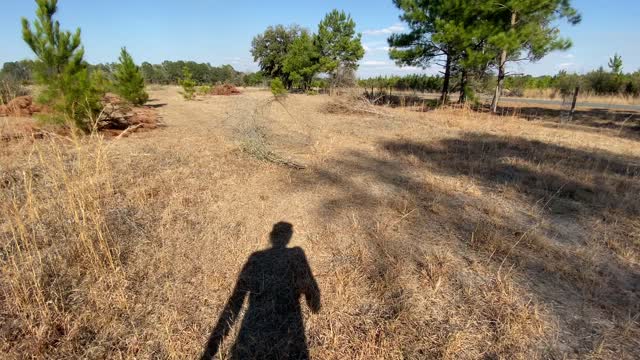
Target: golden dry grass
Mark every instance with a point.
(584, 97)
(448, 234)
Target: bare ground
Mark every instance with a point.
(448, 234)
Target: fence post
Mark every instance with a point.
(573, 103)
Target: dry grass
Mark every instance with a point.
(584, 97)
(448, 234)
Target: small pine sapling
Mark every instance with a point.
(188, 85)
(129, 82)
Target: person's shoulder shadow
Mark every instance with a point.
(273, 280)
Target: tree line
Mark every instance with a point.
(166, 73)
(414, 82)
(611, 81)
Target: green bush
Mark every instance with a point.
(277, 88)
(204, 90)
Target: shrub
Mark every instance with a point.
(277, 88)
(188, 85)
(203, 90)
(129, 82)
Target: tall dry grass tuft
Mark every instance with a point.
(57, 244)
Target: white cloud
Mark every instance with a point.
(375, 63)
(568, 56)
(372, 47)
(395, 28)
(564, 66)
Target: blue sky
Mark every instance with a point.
(220, 32)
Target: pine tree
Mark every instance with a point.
(526, 30)
(615, 64)
(339, 45)
(302, 61)
(188, 85)
(61, 68)
(451, 31)
(129, 82)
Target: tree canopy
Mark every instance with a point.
(270, 49)
(338, 43)
(472, 36)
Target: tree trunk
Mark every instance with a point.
(501, 73)
(463, 86)
(444, 97)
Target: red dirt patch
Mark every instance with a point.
(225, 90)
(22, 106)
(119, 116)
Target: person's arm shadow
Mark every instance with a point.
(228, 316)
(307, 283)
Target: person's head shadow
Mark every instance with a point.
(273, 280)
(280, 235)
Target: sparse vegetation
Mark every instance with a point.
(456, 235)
(392, 227)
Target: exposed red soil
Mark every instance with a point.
(22, 106)
(226, 90)
(118, 117)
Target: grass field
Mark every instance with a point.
(447, 234)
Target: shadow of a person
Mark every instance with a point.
(273, 280)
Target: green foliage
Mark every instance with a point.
(10, 88)
(270, 49)
(188, 85)
(599, 82)
(338, 43)
(296, 56)
(203, 90)
(277, 88)
(566, 83)
(61, 68)
(255, 79)
(170, 72)
(422, 83)
(129, 83)
(472, 35)
(615, 64)
(301, 64)
(19, 71)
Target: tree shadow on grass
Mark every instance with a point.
(575, 185)
(273, 280)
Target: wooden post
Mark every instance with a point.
(573, 103)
